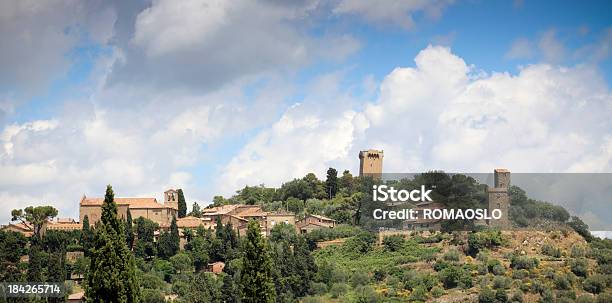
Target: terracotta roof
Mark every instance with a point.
(280, 213)
(219, 210)
(132, 202)
(189, 222)
(302, 225)
(76, 296)
(62, 225)
(251, 212)
(322, 218)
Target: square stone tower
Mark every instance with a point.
(499, 197)
(370, 162)
(171, 198)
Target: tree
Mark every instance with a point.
(331, 183)
(256, 275)
(129, 230)
(195, 210)
(112, 274)
(86, 236)
(12, 247)
(182, 205)
(203, 288)
(145, 232)
(346, 182)
(37, 216)
(169, 242)
(36, 258)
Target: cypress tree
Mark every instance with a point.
(256, 275)
(35, 261)
(129, 230)
(86, 236)
(331, 183)
(182, 205)
(175, 238)
(112, 274)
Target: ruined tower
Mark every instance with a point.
(370, 162)
(499, 197)
(171, 198)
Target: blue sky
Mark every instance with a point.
(213, 95)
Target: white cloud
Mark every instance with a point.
(552, 49)
(521, 49)
(438, 115)
(399, 12)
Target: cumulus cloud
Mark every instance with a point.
(37, 35)
(398, 12)
(208, 43)
(445, 114)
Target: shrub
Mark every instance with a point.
(152, 296)
(418, 294)
(547, 296)
(561, 282)
(585, 299)
(604, 298)
(486, 295)
(550, 250)
(454, 276)
(318, 288)
(484, 239)
(359, 278)
(498, 270)
(500, 282)
(379, 274)
(523, 262)
(577, 251)
(393, 243)
(579, 266)
(501, 296)
(451, 255)
(516, 297)
(570, 294)
(520, 274)
(595, 283)
(366, 294)
(338, 289)
(437, 291)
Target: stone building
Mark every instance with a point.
(148, 208)
(370, 163)
(312, 222)
(239, 216)
(499, 197)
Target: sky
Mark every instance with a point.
(213, 95)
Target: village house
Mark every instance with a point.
(239, 215)
(312, 222)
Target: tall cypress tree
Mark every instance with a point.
(256, 275)
(86, 236)
(331, 183)
(129, 230)
(182, 205)
(175, 238)
(112, 273)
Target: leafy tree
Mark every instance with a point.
(112, 276)
(256, 275)
(169, 242)
(87, 236)
(12, 247)
(346, 182)
(203, 288)
(182, 205)
(129, 230)
(283, 232)
(181, 262)
(229, 290)
(331, 183)
(195, 210)
(145, 232)
(581, 228)
(35, 215)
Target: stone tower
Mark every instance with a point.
(370, 162)
(171, 198)
(499, 197)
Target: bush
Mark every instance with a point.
(393, 243)
(360, 243)
(454, 276)
(484, 239)
(577, 251)
(498, 270)
(501, 296)
(585, 299)
(437, 291)
(604, 298)
(418, 294)
(550, 250)
(579, 266)
(520, 274)
(359, 278)
(318, 288)
(595, 283)
(366, 294)
(523, 262)
(152, 296)
(338, 289)
(501, 282)
(547, 296)
(451, 255)
(516, 297)
(561, 282)
(486, 295)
